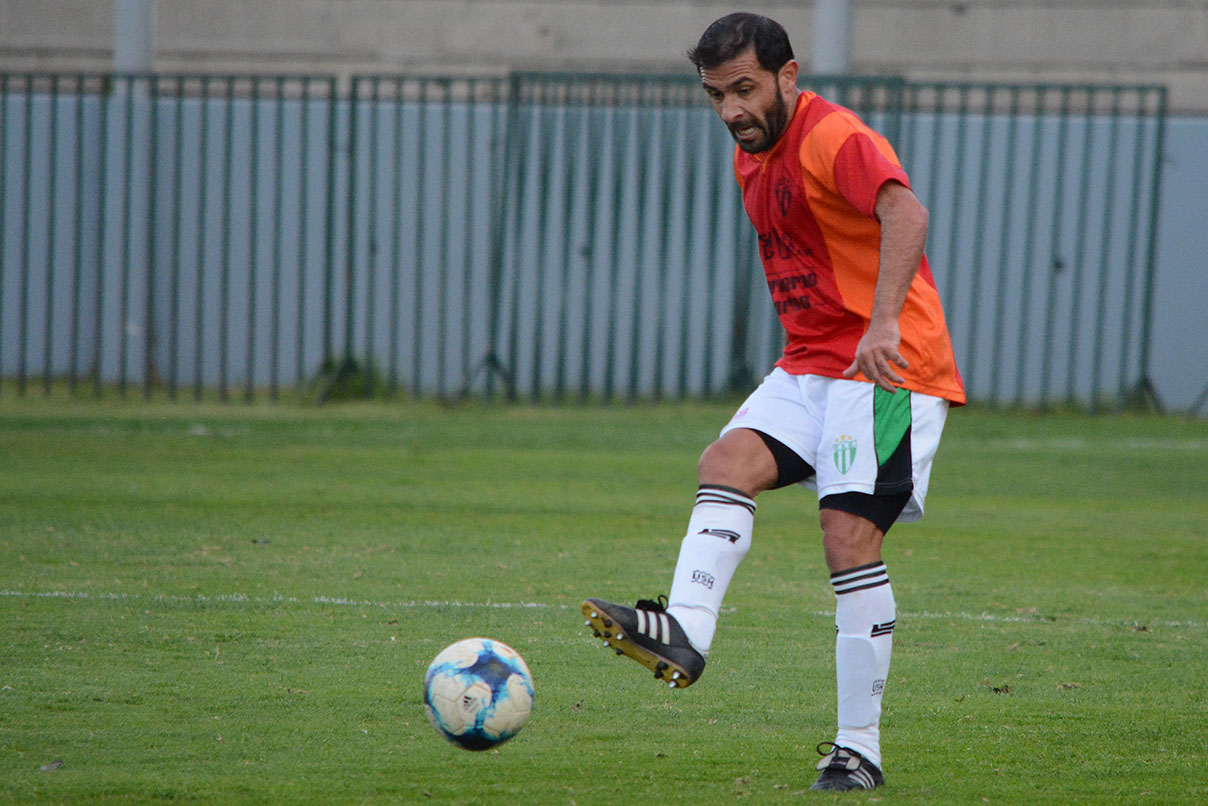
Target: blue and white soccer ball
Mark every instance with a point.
(478, 693)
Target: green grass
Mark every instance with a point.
(237, 604)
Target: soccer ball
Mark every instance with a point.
(478, 693)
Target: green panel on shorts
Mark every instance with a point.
(890, 421)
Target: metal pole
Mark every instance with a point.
(831, 54)
(133, 36)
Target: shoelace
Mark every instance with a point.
(832, 758)
(833, 752)
(653, 606)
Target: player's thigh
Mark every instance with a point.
(778, 409)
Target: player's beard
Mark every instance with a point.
(775, 120)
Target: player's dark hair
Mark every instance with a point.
(734, 33)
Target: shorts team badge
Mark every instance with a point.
(845, 453)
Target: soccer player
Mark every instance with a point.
(853, 409)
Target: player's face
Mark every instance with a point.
(754, 103)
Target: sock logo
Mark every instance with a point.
(703, 578)
(883, 629)
(728, 534)
(878, 687)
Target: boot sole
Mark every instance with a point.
(608, 629)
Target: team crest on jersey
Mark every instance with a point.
(845, 453)
(784, 194)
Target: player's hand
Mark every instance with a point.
(877, 355)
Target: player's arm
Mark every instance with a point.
(903, 236)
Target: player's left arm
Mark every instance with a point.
(904, 222)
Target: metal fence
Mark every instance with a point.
(533, 236)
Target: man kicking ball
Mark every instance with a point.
(854, 408)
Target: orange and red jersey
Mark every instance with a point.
(812, 199)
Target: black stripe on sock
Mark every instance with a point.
(862, 587)
(882, 572)
(854, 569)
(717, 494)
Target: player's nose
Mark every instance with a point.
(731, 111)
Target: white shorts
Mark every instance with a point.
(856, 436)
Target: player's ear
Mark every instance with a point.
(786, 79)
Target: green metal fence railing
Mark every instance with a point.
(1046, 197)
(532, 236)
(165, 231)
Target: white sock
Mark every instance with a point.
(719, 534)
(864, 620)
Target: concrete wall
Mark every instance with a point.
(1165, 41)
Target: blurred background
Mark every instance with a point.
(531, 200)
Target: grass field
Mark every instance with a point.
(237, 604)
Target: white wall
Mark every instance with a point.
(1164, 41)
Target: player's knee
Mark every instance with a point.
(716, 461)
(849, 540)
(738, 460)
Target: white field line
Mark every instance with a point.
(340, 601)
(1082, 444)
(274, 599)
